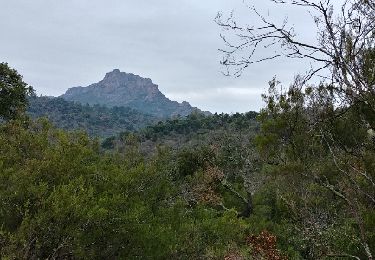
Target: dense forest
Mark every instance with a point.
(294, 181)
(96, 120)
(190, 131)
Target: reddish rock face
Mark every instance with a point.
(129, 90)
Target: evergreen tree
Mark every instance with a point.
(13, 93)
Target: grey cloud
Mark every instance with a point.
(60, 44)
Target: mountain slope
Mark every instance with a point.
(128, 90)
(96, 120)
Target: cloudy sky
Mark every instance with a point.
(60, 44)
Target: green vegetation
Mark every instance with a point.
(322, 159)
(13, 93)
(190, 131)
(296, 181)
(203, 191)
(62, 198)
(96, 120)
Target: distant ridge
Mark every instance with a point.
(129, 90)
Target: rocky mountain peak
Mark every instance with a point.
(114, 74)
(116, 78)
(129, 90)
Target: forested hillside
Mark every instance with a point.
(294, 181)
(195, 130)
(96, 120)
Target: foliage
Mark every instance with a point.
(297, 184)
(320, 156)
(264, 245)
(13, 92)
(62, 197)
(194, 130)
(316, 141)
(96, 120)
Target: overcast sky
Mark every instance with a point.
(58, 44)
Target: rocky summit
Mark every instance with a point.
(129, 90)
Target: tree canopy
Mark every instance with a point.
(13, 92)
(316, 135)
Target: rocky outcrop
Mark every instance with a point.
(129, 90)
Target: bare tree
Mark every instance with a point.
(345, 43)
